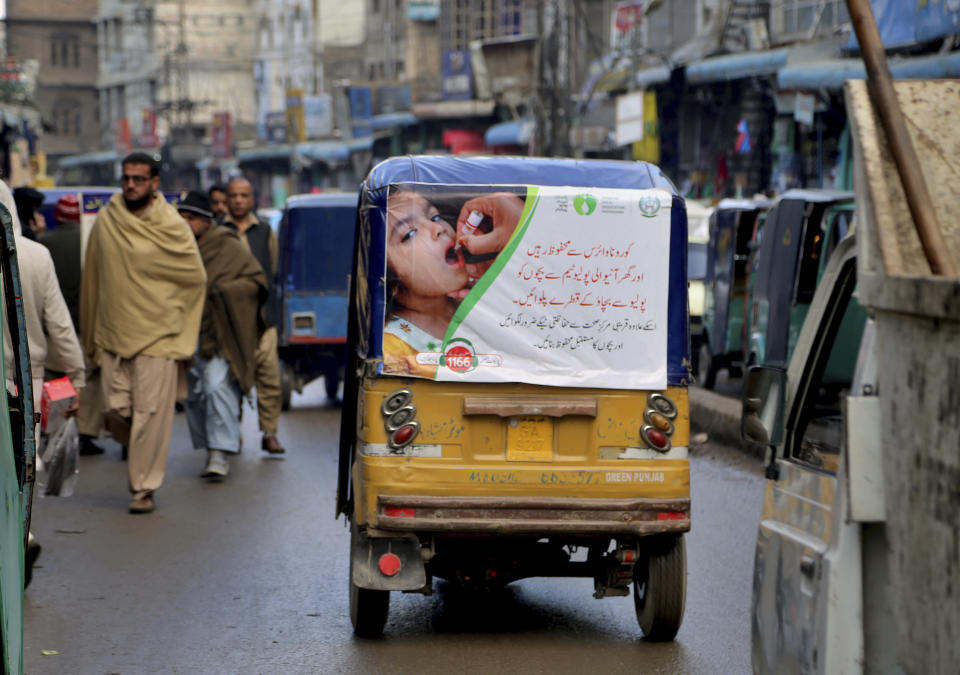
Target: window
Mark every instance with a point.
(818, 416)
(802, 16)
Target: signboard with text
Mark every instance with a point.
(558, 286)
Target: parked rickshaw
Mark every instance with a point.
(790, 263)
(17, 459)
(516, 394)
(733, 228)
(316, 243)
(698, 240)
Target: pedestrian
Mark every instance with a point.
(141, 300)
(28, 201)
(64, 244)
(233, 321)
(51, 339)
(218, 201)
(260, 240)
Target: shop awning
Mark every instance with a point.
(650, 76)
(394, 119)
(832, 74)
(453, 109)
(514, 132)
(87, 158)
(736, 66)
(322, 151)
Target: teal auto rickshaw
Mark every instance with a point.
(801, 230)
(17, 459)
(733, 229)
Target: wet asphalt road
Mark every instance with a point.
(250, 576)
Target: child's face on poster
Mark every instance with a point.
(421, 247)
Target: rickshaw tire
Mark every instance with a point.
(368, 611)
(368, 607)
(707, 369)
(660, 588)
(331, 383)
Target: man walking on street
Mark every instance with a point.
(262, 242)
(140, 306)
(229, 334)
(64, 245)
(218, 201)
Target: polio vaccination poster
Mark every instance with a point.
(559, 286)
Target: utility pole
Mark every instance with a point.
(540, 89)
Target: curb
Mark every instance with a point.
(719, 417)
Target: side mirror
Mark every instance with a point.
(764, 399)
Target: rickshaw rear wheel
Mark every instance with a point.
(331, 382)
(706, 369)
(368, 608)
(660, 588)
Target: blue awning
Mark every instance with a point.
(274, 152)
(322, 151)
(88, 158)
(509, 133)
(736, 66)
(654, 75)
(394, 119)
(832, 74)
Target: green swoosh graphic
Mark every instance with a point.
(529, 206)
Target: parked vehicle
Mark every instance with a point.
(856, 558)
(790, 260)
(733, 230)
(316, 243)
(698, 238)
(537, 423)
(17, 459)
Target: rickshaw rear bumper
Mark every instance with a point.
(537, 516)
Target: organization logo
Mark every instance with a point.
(585, 204)
(459, 356)
(649, 206)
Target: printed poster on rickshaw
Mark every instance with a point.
(558, 286)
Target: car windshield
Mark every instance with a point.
(696, 260)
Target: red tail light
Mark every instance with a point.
(398, 512)
(399, 420)
(389, 564)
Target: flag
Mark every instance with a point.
(743, 138)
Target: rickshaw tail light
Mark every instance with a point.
(657, 438)
(398, 512)
(404, 435)
(671, 515)
(389, 564)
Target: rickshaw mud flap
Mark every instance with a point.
(532, 515)
(367, 552)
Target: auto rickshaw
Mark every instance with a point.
(17, 459)
(733, 226)
(316, 239)
(698, 240)
(516, 395)
(790, 263)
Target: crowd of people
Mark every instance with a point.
(173, 303)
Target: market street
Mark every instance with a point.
(250, 576)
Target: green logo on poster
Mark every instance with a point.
(585, 204)
(649, 206)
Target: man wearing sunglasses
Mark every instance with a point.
(141, 301)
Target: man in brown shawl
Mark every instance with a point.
(141, 299)
(233, 321)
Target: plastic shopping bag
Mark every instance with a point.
(60, 459)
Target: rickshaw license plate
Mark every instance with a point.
(529, 439)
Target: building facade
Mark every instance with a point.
(61, 36)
